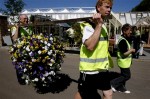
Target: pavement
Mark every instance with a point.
(139, 84)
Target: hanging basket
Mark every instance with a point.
(37, 59)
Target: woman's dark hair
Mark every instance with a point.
(125, 27)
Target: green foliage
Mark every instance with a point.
(77, 34)
(13, 7)
(143, 6)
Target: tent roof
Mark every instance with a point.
(143, 21)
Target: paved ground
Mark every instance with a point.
(139, 84)
(147, 50)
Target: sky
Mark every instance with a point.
(118, 5)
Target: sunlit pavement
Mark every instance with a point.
(139, 84)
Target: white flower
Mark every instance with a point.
(54, 54)
(52, 60)
(12, 49)
(43, 78)
(14, 59)
(46, 74)
(33, 60)
(45, 42)
(36, 79)
(27, 48)
(49, 44)
(39, 52)
(50, 64)
(18, 40)
(24, 47)
(27, 81)
(41, 41)
(25, 70)
(30, 53)
(52, 73)
(46, 48)
(23, 60)
(59, 68)
(49, 52)
(51, 38)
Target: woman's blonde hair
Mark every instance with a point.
(100, 2)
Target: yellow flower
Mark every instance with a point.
(15, 55)
(31, 47)
(44, 60)
(46, 39)
(33, 36)
(19, 46)
(39, 59)
(44, 51)
(29, 37)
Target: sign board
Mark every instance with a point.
(7, 40)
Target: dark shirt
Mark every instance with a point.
(123, 47)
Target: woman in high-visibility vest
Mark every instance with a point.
(124, 60)
(94, 56)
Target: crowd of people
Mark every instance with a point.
(95, 60)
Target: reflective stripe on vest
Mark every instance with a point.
(98, 59)
(93, 60)
(103, 38)
(122, 60)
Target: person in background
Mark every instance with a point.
(136, 41)
(124, 60)
(95, 60)
(22, 28)
(19, 30)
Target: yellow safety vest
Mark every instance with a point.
(122, 60)
(99, 59)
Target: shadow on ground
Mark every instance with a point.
(62, 81)
(58, 84)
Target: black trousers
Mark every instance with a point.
(120, 81)
(89, 84)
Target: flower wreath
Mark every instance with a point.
(37, 58)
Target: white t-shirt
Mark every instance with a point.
(87, 32)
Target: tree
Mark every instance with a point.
(143, 6)
(13, 7)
